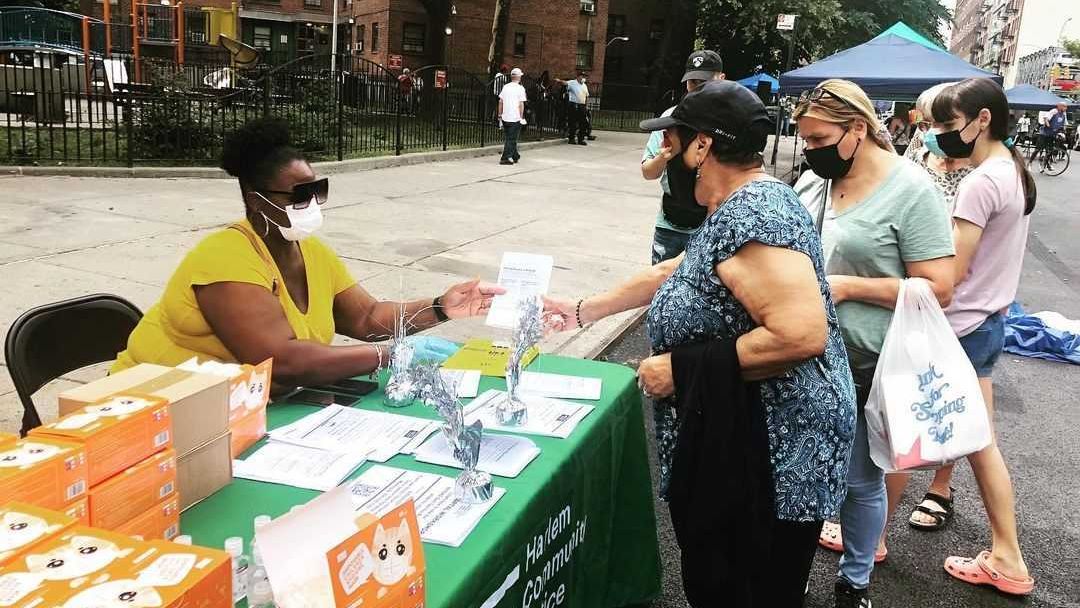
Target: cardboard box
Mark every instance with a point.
(116, 432)
(55, 569)
(43, 472)
(247, 431)
(200, 402)
(204, 471)
(159, 522)
(165, 575)
(79, 510)
(247, 417)
(23, 526)
(119, 499)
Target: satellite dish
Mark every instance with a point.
(243, 55)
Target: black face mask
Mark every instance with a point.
(954, 146)
(826, 161)
(681, 207)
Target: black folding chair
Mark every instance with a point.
(51, 340)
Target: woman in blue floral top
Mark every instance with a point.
(752, 274)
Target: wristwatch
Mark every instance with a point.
(440, 312)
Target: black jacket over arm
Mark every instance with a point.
(721, 494)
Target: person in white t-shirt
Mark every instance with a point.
(512, 116)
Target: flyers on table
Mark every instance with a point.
(559, 386)
(548, 417)
(298, 466)
(502, 455)
(485, 356)
(344, 429)
(443, 519)
(522, 274)
(466, 381)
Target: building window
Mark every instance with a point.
(261, 38)
(374, 37)
(305, 39)
(312, 2)
(584, 54)
(519, 44)
(361, 31)
(656, 29)
(196, 26)
(616, 26)
(412, 38)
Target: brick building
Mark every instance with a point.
(631, 62)
(555, 35)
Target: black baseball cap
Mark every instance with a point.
(724, 110)
(701, 65)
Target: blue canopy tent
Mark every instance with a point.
(904, 31)
(1028, 97)
(751, 82)
(887, 67)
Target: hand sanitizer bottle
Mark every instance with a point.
(234, 546)
(256, 556)
(261, 596)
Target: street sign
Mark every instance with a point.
(440, 79)
(395, 62)
(785, 22)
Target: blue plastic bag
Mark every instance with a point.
(1030, 336)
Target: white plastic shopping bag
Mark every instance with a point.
(925, 407)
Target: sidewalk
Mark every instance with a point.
(404, 232)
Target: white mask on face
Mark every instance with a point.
(303, 222)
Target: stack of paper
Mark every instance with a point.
(443, 519)
(559, 386)
(548, 417)
(502, 455)
(467, 381)
(344, 429)
(297, 466)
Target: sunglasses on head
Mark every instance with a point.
(302, 194)
(821, 92)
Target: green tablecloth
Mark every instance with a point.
(576, 528)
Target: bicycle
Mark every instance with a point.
(1054, 157)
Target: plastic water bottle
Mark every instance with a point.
(261, 596)
(256, 557)
(234, 546)
(183, 539)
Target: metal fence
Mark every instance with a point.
(68, 112)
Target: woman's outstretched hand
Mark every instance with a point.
(560, 314)
(469, 299)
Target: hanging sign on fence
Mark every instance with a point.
(440, 79)
(395, 62)
(785, 22)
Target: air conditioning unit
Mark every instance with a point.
(359, 47)
(588, 6)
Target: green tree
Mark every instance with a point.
(1072, 46)
(744, 31)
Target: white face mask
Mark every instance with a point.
(303, 222)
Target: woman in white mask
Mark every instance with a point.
(266, 287)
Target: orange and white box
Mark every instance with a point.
(69, 563)
(117, 500)
(159, 522)
(159, 574)
(80, 510)
(23, 526)
(7, 439)
(44, 472)
(249, 392)
(117, 432)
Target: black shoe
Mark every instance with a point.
(850, 597)
(582, 143)
(506, 162)
(571, 142)
(517, 159)
(591, 138)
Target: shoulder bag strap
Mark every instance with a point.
(825, 188)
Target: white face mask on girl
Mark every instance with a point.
(303, 222)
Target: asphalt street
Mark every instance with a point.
(1036, 419)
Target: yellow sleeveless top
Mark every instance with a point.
(174, 330)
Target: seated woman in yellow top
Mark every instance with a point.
(265, 287)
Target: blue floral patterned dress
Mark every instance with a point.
(810, 410)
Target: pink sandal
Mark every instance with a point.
(978, 571)
(831, 538)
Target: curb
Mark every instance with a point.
(323, 167)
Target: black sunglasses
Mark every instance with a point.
(819, 93)
(301, 194)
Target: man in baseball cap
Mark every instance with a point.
(703, 65)
(726, 111)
